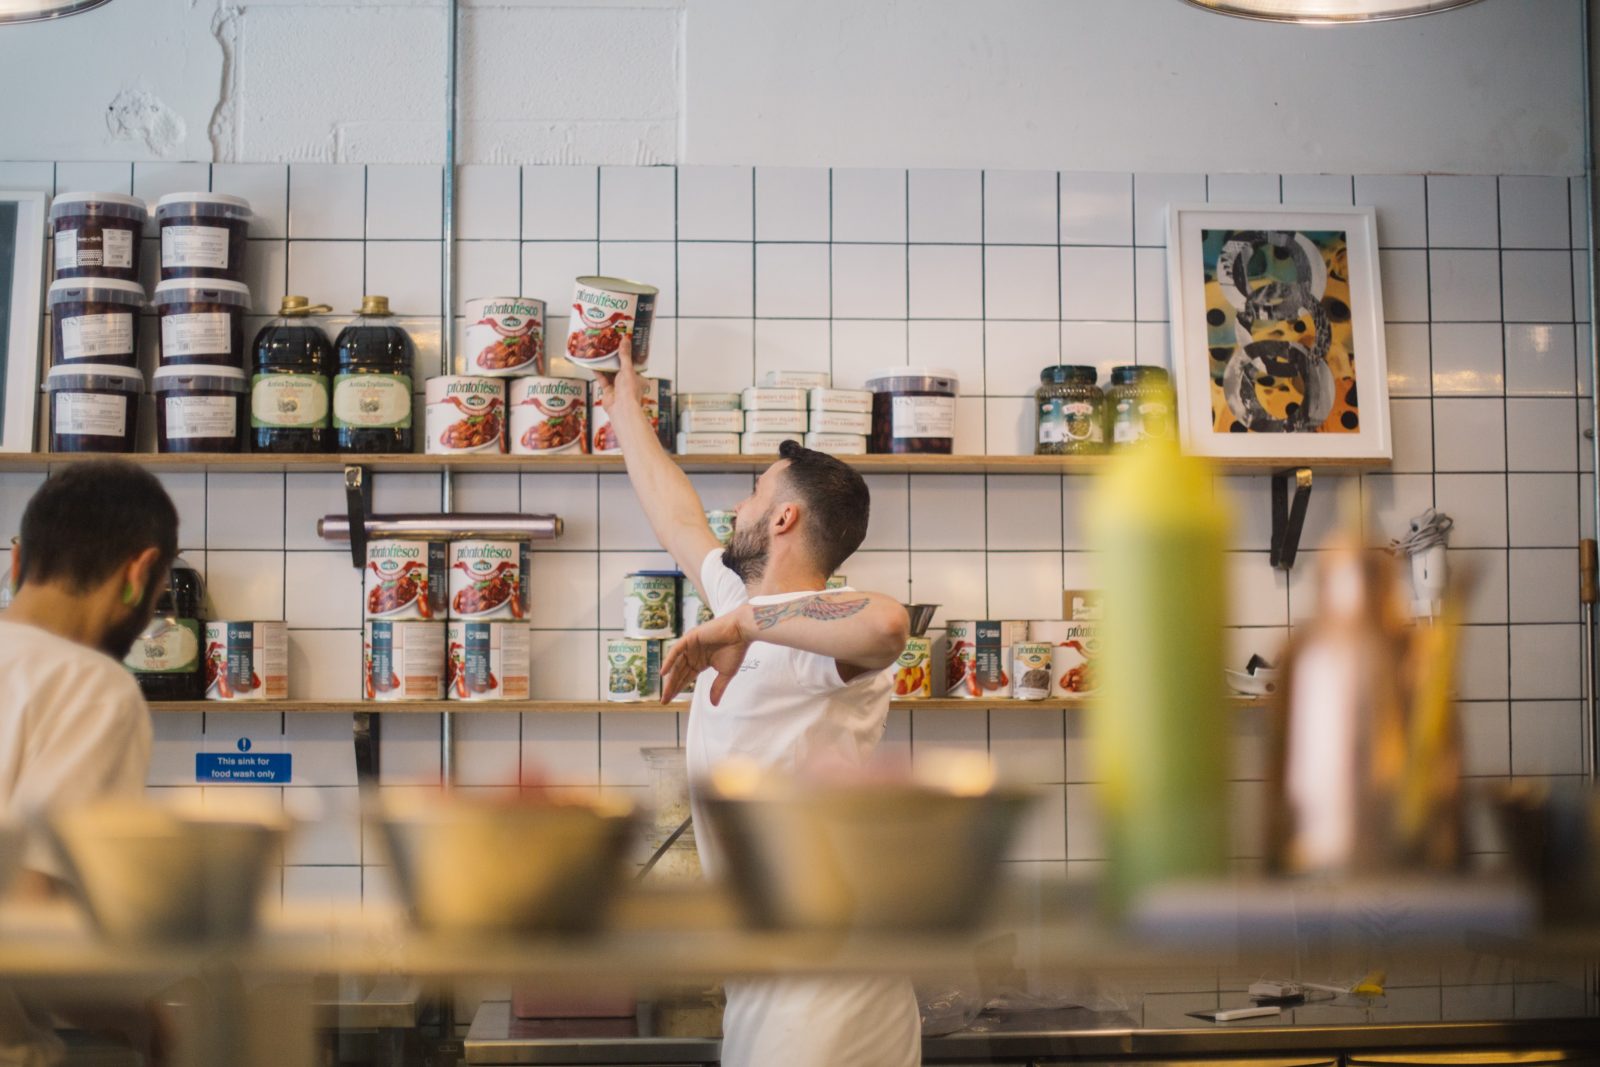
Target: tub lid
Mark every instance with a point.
(220, 204)
(210, 290)
(103, 290)
(94, 376)
(931, 378)
(117, 205)
(617, 285)
(197, 376)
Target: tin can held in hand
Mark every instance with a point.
(486, 660)
(1030, 670)
(633, 670)
(604, 310)
(505, 336)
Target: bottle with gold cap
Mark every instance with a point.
(372, 382)
(290, 381)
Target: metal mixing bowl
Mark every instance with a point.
(491, 866)
(902, 857)
(147, 873)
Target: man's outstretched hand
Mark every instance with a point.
(720, 644)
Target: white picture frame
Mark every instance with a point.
(1213, 390)
(22, 243)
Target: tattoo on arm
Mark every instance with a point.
(816, 608)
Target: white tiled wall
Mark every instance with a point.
(993, 274)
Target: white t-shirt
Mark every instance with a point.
(789, 709)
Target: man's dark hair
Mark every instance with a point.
(90, 519)
(836, 500)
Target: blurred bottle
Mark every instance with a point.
(1160, 726)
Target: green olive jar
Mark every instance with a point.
(1140, 405)
(1071, 410)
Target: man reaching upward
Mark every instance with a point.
(800, 682)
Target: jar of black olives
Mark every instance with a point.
(372, 382)
(291, 365)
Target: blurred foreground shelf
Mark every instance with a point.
(567, 707)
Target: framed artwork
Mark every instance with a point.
(1277, 332)
(22, 221)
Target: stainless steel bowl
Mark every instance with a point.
(486, 866)
(867, 857)
(148, 873)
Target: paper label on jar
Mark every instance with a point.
(372, 401)
(94, 336)
(196, 333)
(922, 416)
(67, 250)
(116, 249)
(194, 246)
(169, 646)
(90, 414)
(288, 400)
(201, 416)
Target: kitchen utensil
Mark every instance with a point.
(921, 617)
(1260, 684)
(487, 866)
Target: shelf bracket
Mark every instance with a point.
(366, 738)
(1289, 516)
(358, 505)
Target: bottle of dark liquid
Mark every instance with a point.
(166, 659)
(372, 382)
(291, 364)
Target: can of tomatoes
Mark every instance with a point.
(505, 336)
(976, 654)
(486, 660)
(402, 660)
(913, 671)
(657, 404)
(405, 580)
(604, 310)
(488, 579)
(463, 414)
(549, 415)
(247, 660)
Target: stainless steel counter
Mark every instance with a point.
(1073, 1033)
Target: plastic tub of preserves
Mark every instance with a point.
(463, 414)
(773, 398)
(708, 444)
(1030, 670)
(776, 421)
(549, 415)
(837, 444)
(95, 321)
(202, 321)
(842, 422)
(200, 408)
(765, 444)
(913, 411)
(405, 580)
(657, 403)
(94, 407)
(488, 579)
(247, 660)
(486, 660)
(603, 311)
(633, 669)
(402, 660)
(797, 379)
(650, 604)
(203, 235)
(913, 671)
(976, 654)
(96, 235)
(710, 420)
(721, 523)
(505, 336)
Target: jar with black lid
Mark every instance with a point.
(1139, 405)
(165, 659)
(1071, 411)
(372, 382)
(291, 365)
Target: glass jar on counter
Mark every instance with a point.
(1071, 411)
(1139, 405)
(372, 382)
(165, 659)
(291, 364)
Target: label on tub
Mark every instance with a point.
(196, 333)
(276, 768)
(194, 246)
(94, 336)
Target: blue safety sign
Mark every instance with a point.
(266, 768)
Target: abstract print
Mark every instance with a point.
(1278, 331)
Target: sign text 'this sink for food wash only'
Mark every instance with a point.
(244, 767)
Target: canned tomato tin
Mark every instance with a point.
(486, 660)
(975, 657)
(505, 336)
(488, 579)
(633, 669)
(549, 415)
(913, 671)
(464, 415)
(1030, 670)
(1075, 643)
(604, 310)
(657, 405)
(247, 661)
(650, 604)
(405, 580)
(721, 523)
(402, 660)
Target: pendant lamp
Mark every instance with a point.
(1327, 11)
(40, 10)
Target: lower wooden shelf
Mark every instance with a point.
(560, 707)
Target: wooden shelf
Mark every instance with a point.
(565, 707)
(577, 463)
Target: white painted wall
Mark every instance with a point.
(1054, 84)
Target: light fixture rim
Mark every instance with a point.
(1222, 7)
(74, 7)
